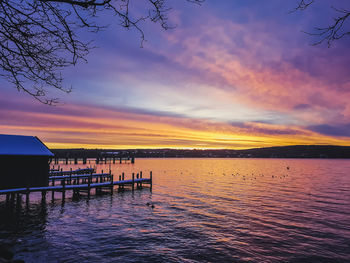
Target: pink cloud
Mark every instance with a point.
(257, 66)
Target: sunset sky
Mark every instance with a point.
(232, 74)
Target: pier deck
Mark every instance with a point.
(75, 186)
(80, 183)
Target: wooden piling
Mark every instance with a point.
(137, 184)
(19, 200)
(140, 185)
(43, 195)
(133, 181)
(63, 189)
(27, 197)
(123, 180)
(89, 183)
(70, 176)
(12, 199)
(111, 183)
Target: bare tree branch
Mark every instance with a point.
(302, 5)
(39, 38)
(335, 31)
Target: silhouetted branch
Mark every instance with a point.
(334, 31)
(38, 38)
(302, 5)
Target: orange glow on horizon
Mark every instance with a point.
(110, 129)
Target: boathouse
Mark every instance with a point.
(24, 162)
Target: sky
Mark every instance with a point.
(231, 74)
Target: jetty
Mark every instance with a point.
(97, 160)
(60, 172)
(80, 184)
(34, 173)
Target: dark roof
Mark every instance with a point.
(22, 145)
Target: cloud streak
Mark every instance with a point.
(110, 128)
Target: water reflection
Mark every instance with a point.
(22, 225)
(216, 210)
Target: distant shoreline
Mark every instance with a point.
(291, 152)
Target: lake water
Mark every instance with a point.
(206, 210)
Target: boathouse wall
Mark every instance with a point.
(23, 171)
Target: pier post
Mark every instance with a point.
(133, 181)
(19, 200)
(43, 196)
(111, 184)
(63, 189)
(113, 159)
(123, 180)
(70, 176)
(75, 160)
(75, 194)
(27, 196)
(66, 160)
(137, 184)
(12, 199)
(150, 179)
(89, 183)
(133, 159)
(140, 178)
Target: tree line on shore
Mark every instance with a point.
(296, 151)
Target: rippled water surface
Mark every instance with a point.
(206, 210)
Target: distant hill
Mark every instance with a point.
(295, 151)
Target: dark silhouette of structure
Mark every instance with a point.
(24, 162)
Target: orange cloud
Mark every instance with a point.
(108, 128)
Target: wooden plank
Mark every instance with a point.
(58, 177)
(71, 187)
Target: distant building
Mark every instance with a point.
(24, 162)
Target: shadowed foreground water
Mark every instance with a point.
(206, 210)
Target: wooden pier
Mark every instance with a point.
(81, 183)
(97, 160)
(60, 172)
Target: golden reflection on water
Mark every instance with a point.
(225, 210)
